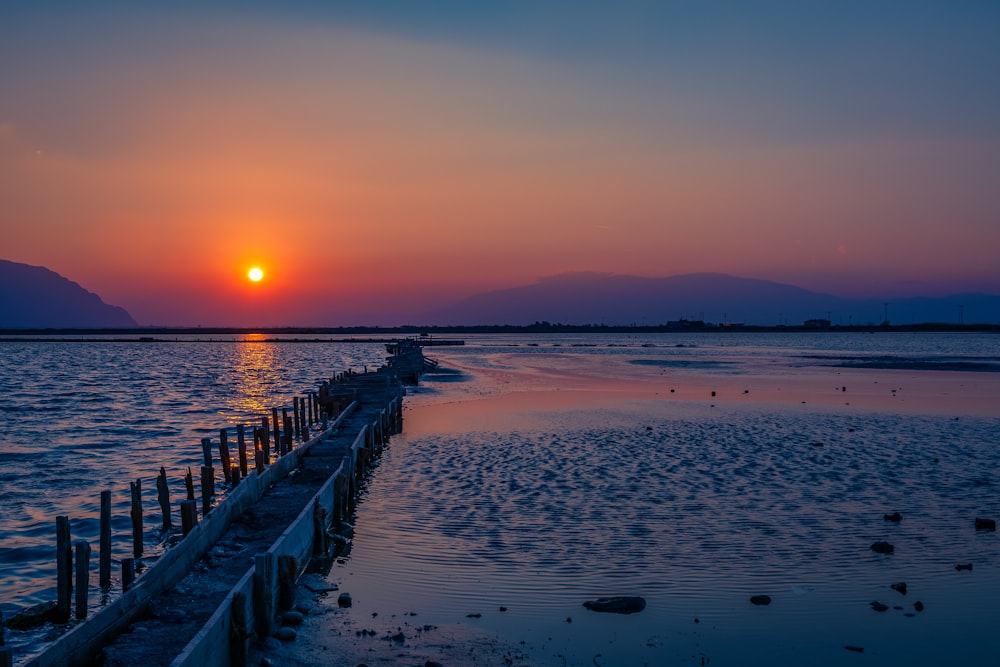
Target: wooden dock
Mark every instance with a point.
(226, 582)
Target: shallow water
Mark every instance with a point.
(694, 504)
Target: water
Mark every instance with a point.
(538, 472)
(694, 502)
(79, 418)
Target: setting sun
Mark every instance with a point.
(255, 274)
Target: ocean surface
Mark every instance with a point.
(776, 484)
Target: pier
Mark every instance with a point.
(225, 581)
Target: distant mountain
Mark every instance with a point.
(33, 297)
(602, 298)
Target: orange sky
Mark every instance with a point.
(374, 167)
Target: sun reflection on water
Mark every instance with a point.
(257, 377)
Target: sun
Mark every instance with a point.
(255, 274)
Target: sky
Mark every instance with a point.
(377, 160)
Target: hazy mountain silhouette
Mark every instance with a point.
(33, 297)
(602, 298)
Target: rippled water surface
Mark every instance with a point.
(693, 501)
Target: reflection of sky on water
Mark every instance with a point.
(256, 377)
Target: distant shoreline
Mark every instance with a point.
(158, 334)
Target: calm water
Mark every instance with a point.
(695, 505)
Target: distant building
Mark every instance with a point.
(686, 324)
(816, 324)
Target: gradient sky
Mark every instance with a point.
(378, 159)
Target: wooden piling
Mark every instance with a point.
(163, 496)
(258, 450)
(64, 569)
(320, 538)
(136, 489)
(189, 484)
(265, 435)
(263, 594)
(242, 444)
(189, 516)
(224, 454)
(288, 434)
(239, 632)
(82, 578)
(207, 488)
(104, 558)
(128, 573)
(311, 400)
(288, 570)
(6, 657)
(234, 474)
(298, 422)
(206, 451)
(277, 432)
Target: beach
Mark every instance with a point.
(527, 482)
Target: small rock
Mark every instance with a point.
(899, 588)
(617, 605)
(964, 566)
(303, 608)
(270, 644)
(503, 608)
(986, 524)
(878, 606)
(32, 616)
(918, 605)
(895, 517)
(856, 649)
(399, 638)
(345, 600)
(760, 600)
(883, 548)
(286, 634)
(292, 618)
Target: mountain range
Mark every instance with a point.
(613, 299)
(33, 297)
(36, 297)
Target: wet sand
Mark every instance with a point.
(511, 394)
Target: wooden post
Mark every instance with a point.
(207, 488)
(206, 451)
(265, 439)
(136, 488)
(286, 431)
(263, 594)
(242, 444)
(234, 474)
(311, 400)
(239, 632)
(288, 570)
(224, 454)
(298, 422)
(258, 450)
(277, 432)
(189, 516)
(320, 537)
(189, 484)
(128, 573)
(288, 434)
(82, 578)
(104, 565)
(64, 569)
(6, 657)
(163, 495)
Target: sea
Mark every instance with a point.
(737, 465)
